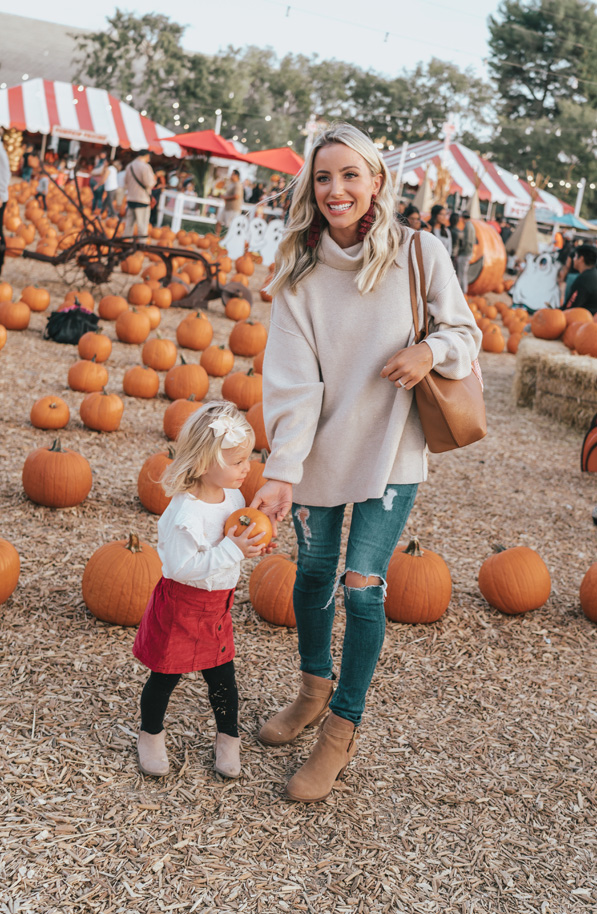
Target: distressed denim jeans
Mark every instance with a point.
(375, 529)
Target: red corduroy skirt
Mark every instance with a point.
(185, 629)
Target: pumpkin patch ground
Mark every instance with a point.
(473, 787)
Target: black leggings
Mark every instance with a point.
(221, 690)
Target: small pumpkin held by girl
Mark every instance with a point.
(187, 625)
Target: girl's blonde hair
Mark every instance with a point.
(197, 448)
(294, 260)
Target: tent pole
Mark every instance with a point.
(113, 153)
(44, 140)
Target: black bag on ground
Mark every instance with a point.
(69, 326)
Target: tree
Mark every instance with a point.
(137, 56)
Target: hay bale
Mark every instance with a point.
(566, 388)
(530, 352)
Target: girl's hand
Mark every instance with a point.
(274, 499)
(408, 366)
(249, 546)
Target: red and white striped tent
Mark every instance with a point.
(466, 168)
(83, 114)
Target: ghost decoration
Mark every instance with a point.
(537, 285)
(257, 231)
(236, 237)
(273, 236)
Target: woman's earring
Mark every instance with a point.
(314, 231)
(366, 221)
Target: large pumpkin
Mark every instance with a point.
(10, 569)
(119, 579)
(149, 487)
(15, 315)
(194, 331)
(159, 354)
(87, 376)
(177, 413)
(515, 580)
(141, 381)
(254, 478)
(419, 585)
(244, 389)
(247, 338)
(255, 420)
(56, 478)
(95, 345)
(185, 379)
(218, 361)
(548, 323)
(488, 263)
(132, 326)
(49, 412)
(244, 517)
(270, 590)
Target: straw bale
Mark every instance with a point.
(473, 789)
(530, 351)
(566, 388)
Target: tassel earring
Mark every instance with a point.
(367, 220)
(314, 231)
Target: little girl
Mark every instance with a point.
(187, 624)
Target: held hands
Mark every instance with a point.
(274, 499)
(249, 546)
(408, 366)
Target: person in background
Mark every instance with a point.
(61, 176)
(233, 201)
(43, 186)
(440, 226)
(504, 228)
(583, 292)
(110, 187)
(412, 216)
(139, 181)
(156, 194)
(463, 260)
(4, 183)
(457, 236)
(27, 163)
(97, 182)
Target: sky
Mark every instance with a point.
(383, 35)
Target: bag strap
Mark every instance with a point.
(138, 181)
(416, 241)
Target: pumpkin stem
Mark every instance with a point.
(244, 520)
(183, 361)
(171, 452)
(191, 398)
(56, 446)
(264, 454)
(414, 548)
(133, 544)
(250, 373)
(497, 547)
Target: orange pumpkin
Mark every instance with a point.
(185, 379)
(14, 315)
(254, 478)
(177, 413)
(243, 389)
(419, 585)
(132, 326)
(161, 298)
(513, 342)
(588, 593)
(3, 336)
(141, 381)
(56, 478)
(493, 341)
(49, 412)
(582, 315)
(95, 345)
(585, 340)
(218, 361)
(258, 362)
(270, 590)
(159, 354)
(237, 309)
(119, 579)
(255, 420)
(247, 338)
(515, 580)
(151, 493)
(194, 331)
(5, 291)
(101, 411)
(84, 298)
(111, 306)
(139, 294)
(37, 299)
(488, 262)
(87, 376)
(548, 323)
(10, 569)
(244, 517)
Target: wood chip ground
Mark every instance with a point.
(473, 791)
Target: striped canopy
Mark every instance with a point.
(466, 168)
(83, 114)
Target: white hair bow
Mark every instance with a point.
(234, 434)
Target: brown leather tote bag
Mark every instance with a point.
(452, 412)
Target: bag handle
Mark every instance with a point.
(416, 240)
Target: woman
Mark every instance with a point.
(440, 226)
(342, 422)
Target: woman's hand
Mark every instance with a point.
(274, 499)
(408, 366)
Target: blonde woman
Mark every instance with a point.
(340, 414)
(187, 624)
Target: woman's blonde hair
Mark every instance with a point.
(294, 260)
(197, 448)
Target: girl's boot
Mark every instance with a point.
(153, 758)
(227, 755)
(332, 753)
(306, 710)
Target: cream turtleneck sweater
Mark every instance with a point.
(338, 431)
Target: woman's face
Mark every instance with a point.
(343, 187)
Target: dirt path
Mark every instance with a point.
(474, 786)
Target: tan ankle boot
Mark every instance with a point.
(306, 710)
(227, 755)
(333, 751)
(153, 758)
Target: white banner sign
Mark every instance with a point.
(83, 136)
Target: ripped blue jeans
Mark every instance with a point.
(375, 529)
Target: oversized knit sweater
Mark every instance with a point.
(338, 431)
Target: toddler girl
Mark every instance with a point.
(187, 624)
